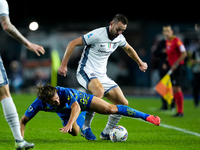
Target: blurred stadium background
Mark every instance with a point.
(59, 22)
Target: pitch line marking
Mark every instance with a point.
(174, 128)
(179, 129)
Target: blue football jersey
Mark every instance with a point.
(67, 97)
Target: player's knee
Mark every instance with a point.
(110, 109)
(74, 132)
(125, 103)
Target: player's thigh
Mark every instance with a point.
(4, 88)
(116, 96)
(96, 87)
(100, 106)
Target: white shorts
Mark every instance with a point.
(3, 75)
(84, 76)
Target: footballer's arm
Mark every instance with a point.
(70, 48)
(176, 64)
(132, 54)
(23, 123)
(75, 110)
(13, 32)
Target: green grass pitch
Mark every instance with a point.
(43, 130)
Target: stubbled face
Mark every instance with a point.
(55, 100)
(168, 32)
(117, 28)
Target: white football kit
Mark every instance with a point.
(4, 11)
(93, 63)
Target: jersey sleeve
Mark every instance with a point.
(4, 10)
(122, 41)
(91, 37)
(72, 97)
(68, 94)
(181, 46)
(72, 100)
(34, 108)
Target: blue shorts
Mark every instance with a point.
(80, 120)
(84, 101)
(3, 75)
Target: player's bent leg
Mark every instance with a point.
(75, 129)
(116, 96)
(103, 107)
(97, 89)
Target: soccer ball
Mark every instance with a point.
(118, 134)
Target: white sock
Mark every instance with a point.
(112, 121)
(88, 119)
(11, 117)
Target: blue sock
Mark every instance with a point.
(128, 111)
(81, 119)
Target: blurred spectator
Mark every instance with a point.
(196, 76)
(16, 79)
(163, 66)
(40, 76)
(142, 78)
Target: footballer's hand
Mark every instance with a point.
(143, 66)
(173, 67)
(62, 70)
(67, 128)
(36, 48)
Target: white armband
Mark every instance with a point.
(182, 48)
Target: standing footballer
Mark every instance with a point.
(91, 73)
(176, 54)
(8, 105)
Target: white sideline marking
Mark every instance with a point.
(174, 128)
(179, 129)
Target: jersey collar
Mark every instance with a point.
(172, 38)
(109, 36)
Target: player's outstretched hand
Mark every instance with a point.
(143, 66)
(67, 128)
(62, 70)
(36, 48)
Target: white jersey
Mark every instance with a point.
(4, 10)
(98, 49)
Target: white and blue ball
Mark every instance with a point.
(118, 134)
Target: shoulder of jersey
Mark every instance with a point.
(178, 41)
(100, 30)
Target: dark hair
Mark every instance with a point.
(120, 18)
(167, 25)
(45, 92)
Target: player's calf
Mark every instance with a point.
(128, 111)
